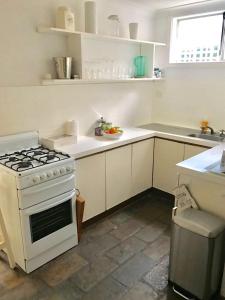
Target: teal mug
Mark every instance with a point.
(140, 66)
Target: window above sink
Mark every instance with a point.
(198, 38)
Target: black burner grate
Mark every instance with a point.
(31, 158)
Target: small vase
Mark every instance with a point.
(90, 17)
(114, 25)
(133, 28)
(140, 66)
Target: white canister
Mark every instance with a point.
(133, 28)
(72, 129)
(65, 18)
(90, 17)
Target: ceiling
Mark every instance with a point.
(168, 3)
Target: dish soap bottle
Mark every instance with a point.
(98, 129)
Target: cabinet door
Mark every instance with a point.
(90, 173)
(142, 163)
(118, 176)
(190, 151)
(166, 155)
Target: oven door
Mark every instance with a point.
(48, 224)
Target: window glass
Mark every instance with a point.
(197, 39)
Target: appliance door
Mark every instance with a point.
(49, 223)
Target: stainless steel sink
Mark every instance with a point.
(211, 137)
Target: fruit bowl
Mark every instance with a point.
(113, 133)
(112, 136)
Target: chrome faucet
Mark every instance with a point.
(208, 127)
(222, 132)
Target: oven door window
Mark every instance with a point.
(46, 222)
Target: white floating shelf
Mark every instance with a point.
(95, 81)
(43, 29)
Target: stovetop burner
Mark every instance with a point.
(24, 164)
(37, 152)
(13, 158)
(50, 156)
(31, 158)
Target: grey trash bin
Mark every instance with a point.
(197, 253)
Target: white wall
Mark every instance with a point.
(47, 108)
(26, 55)
(189, 92)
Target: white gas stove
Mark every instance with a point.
(37, 188)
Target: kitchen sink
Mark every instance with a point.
(211, 137)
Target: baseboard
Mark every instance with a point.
(167, 195)
(169, 198)
(115, 208)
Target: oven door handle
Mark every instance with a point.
(37, 189)
(43, 206)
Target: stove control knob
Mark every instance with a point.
(56, 172)
(63, 170)
(68, 169)
(49, 174)
(36, 179)
(43, 176)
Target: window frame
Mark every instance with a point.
(173, 38)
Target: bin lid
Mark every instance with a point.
(200, 222)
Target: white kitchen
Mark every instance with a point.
(112, 149)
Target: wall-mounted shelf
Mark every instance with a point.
(96, 81)
(94, 53)
(43, 29)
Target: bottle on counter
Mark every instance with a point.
(98, 129)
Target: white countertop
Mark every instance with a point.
(89, 145)
(204, 163)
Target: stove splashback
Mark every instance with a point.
(11, 143)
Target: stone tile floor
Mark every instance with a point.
(124, 257)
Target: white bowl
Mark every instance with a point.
(112, 136)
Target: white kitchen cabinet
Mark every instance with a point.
(142, 164)
(210, 196)
(191, 150)
(108, 179)
(118, 176)
(90, 180)
(166, 155)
